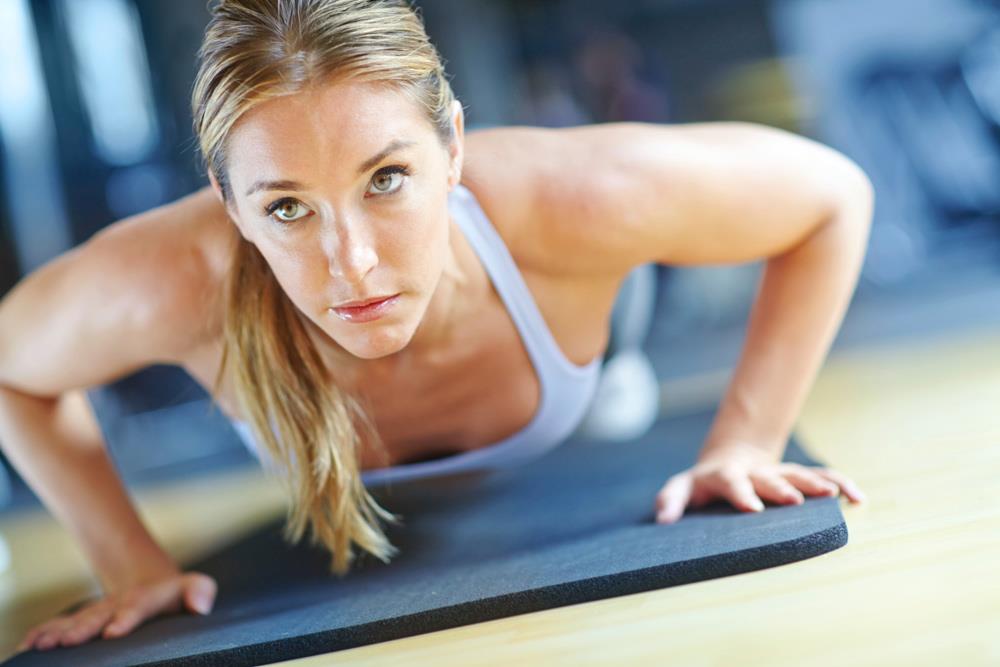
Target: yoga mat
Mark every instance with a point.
(572, 526)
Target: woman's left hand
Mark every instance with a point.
(743, 475)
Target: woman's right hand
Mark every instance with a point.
(117, 613)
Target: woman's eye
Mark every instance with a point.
(285, 206)
(388, 180)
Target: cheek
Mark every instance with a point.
(401, 240)
(298, 275)
(421, 236)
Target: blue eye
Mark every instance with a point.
(384, 179)
(284, 204)
(387, 181)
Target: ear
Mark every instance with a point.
(216, 187)
(456, 149)
(218, 194)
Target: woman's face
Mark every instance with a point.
(343, 190)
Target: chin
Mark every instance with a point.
(376, 343)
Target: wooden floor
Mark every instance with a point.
(916, 424)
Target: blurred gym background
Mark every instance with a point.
(94, 127)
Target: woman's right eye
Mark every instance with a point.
(286, 205)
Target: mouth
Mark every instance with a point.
(363, 302)
(370, 310)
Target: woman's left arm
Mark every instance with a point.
(802, 298)
(723, 193)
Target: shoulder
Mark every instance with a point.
(175, 258)
(143, 290)
(553, 193)
(523, 177)
(608, 197)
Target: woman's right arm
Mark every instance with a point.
(134, 295)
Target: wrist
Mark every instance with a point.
(131, 568)
(742, 450)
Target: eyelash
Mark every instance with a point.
(394, 169)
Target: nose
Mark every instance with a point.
(350, 252)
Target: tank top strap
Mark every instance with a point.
(542, 347)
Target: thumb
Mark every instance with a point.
(673, 498)
(198, 592)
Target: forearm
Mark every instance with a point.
(803, 296)
(61, 454)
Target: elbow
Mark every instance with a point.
(854, 190)
(848, 228)
(850, 207)
(6, 355)
(862, 193)
(856, 206)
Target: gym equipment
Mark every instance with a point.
(574, 525)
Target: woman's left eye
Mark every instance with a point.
(384, 179)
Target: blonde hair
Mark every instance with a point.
(253, 51)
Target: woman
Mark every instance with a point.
(340, 173)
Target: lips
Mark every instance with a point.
(371, 311)
(364, 302)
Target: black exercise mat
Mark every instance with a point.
(575, 525)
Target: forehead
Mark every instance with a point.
(347, 120)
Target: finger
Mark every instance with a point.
(87, 623)
(123, 621)
(29, 638)
(849, 488)
(808, 481)
(46, 640)
(130, 612)
(163, 596)
(199, 592)
(737, 488)
(52, 632)
(34, 634)
(776, 488)
(672, 500)
(701, 495)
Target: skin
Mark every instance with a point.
(344, 235)
(578, 208)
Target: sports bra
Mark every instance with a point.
(566, 388)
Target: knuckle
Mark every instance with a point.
(81, 617)
(125, 617)
(730, 475)
(831, 475)
(48, 627)
(71, 637)
(128, 599)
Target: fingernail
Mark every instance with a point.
(758, 506)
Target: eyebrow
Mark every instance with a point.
(394, 145)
